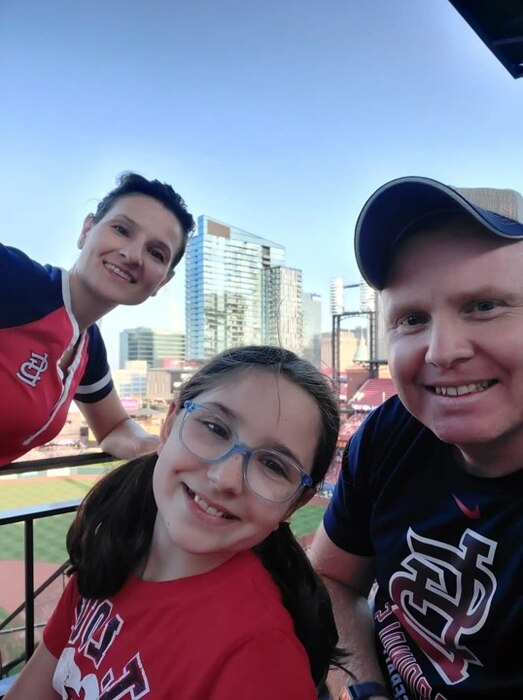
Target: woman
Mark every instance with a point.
(51, 351)
(188, 582)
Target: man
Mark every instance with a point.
(429, 503)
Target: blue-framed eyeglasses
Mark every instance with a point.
(268, 473)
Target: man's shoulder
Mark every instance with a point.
(390, 421)
(389, 436)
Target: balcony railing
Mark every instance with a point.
(27, 516)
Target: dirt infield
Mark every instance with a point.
(12, 584)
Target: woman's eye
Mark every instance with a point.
(158, 255)
(121, 229)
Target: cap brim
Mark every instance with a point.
(396, 206)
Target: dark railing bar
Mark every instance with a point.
(38, 465)
(28, 516)
(22, 628)
(29, 588)
(39, 590)
(44, 510)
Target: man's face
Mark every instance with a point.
(453, 309)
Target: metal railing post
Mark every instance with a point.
(29, 588)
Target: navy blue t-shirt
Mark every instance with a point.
(448, 549)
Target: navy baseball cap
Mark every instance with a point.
(399, 204)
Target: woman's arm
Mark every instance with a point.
(36, 679)
(116, 433)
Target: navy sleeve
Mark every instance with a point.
(347, 518)
(370, 458)
(29, 290)
(96, 382)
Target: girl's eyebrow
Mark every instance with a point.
(221, 408)
(235, 419)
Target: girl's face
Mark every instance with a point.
(206, 513)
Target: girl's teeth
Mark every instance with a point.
(207, 508)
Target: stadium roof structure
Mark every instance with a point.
(499, 23)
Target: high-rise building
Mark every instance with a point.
(282, 314)
(223, 287)
(336, 296)
(504, 202)
(312, 328)
(150, 345)
(368, 297)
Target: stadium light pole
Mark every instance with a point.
(335, 339)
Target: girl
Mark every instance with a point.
(52, 351)
(187, 582)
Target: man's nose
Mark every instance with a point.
(448, 343)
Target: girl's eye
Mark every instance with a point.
(274, 466)
(216, 429)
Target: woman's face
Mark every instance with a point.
(206, 512)
(127, 256)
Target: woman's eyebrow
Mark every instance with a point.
(134, 224)
(128, 219)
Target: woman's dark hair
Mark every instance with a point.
(132, 183)
(111, 535)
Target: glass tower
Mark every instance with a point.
(223, 289)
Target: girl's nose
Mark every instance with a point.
(227, 474)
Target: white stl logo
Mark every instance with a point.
(32, 369)
(68, 679)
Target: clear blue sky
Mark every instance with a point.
(279, 117)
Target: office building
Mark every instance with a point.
(282, 315)
(130, 381)
(223, 287)
(150, 345)
(336, 296)
(312, 328)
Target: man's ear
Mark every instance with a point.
(167, 426)
(86, 227)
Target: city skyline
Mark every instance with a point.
(281, 118)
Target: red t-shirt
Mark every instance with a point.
(222, 635)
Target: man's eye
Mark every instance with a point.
(411, 320)
(121, 229)
(485, 305)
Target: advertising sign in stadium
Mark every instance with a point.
(130, 404)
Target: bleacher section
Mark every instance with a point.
(372, 394)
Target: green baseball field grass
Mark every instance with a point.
(49, 533)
